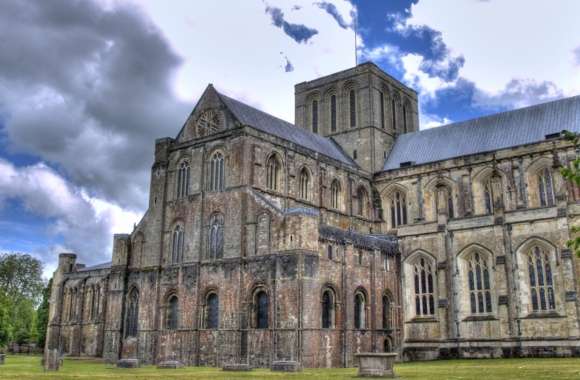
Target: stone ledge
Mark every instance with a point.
(128, 363)
(286, 366)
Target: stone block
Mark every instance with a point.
(237, 367)
(286, 366)
(376, 364)
(170, 364)
(128, 363)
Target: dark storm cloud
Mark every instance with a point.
(87, 89)
(333, 11)
(298, 32)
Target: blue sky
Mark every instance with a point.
(87, 86)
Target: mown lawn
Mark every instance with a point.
(28, 367)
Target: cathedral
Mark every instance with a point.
(350, 231)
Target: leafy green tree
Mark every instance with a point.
(572, 173)
(21, 277)
(21, 287)
(42, 315)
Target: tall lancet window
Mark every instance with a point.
(478, 276)
(216, 237)
(541, 281)
(273, 168)
(183, 180)
(359, 310)
(352, 108)
(216, 172)
(335, 195)
(304, 184)
(177, 245)
(132, 322)
(333, 113)
(315, 116)
(424, 288)
(546, 188)
(398, 209)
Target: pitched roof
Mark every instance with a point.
(272, 125)
(386, 243)
(486, 134)
(106, 265)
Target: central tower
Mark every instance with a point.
(363, 109)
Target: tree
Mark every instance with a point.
(572, 173)
(21, 288)
(42, 315)
(21, 277)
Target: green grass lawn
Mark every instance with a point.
(28, 367)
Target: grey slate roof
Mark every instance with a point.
(485, 134)
(272, 125)
(106, 265)
(385, 243)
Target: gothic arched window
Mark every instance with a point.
(387, 313)
(362, 202)
(216, 172)
(177, 245)
(359, 310)
(212, 311)
(352, 108)
(328, 309)
(445, 196)
(333, 113)
(304, 184)
(172, 319)
(478, 278)
(546, 188)
(398, 209)
(541, 281)
(492, 193)
(335, 194)
(404, 119)
(132, 321)
(262, 305)
(315, 116)
(382, 101)
(394, 114)
(274, 174)
(424, 288)
(183, 180)
(216, 237)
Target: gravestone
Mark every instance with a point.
(241, 367)
(286, 366)
(52, 360)
(128, 363)
(2, 358)
(170, 364)
(374, 364)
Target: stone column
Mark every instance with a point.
(51, 360)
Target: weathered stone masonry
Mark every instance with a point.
(348, 232)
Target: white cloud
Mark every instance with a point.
(505, 40)
(234, 45)
(86, 224)
(425, 84)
